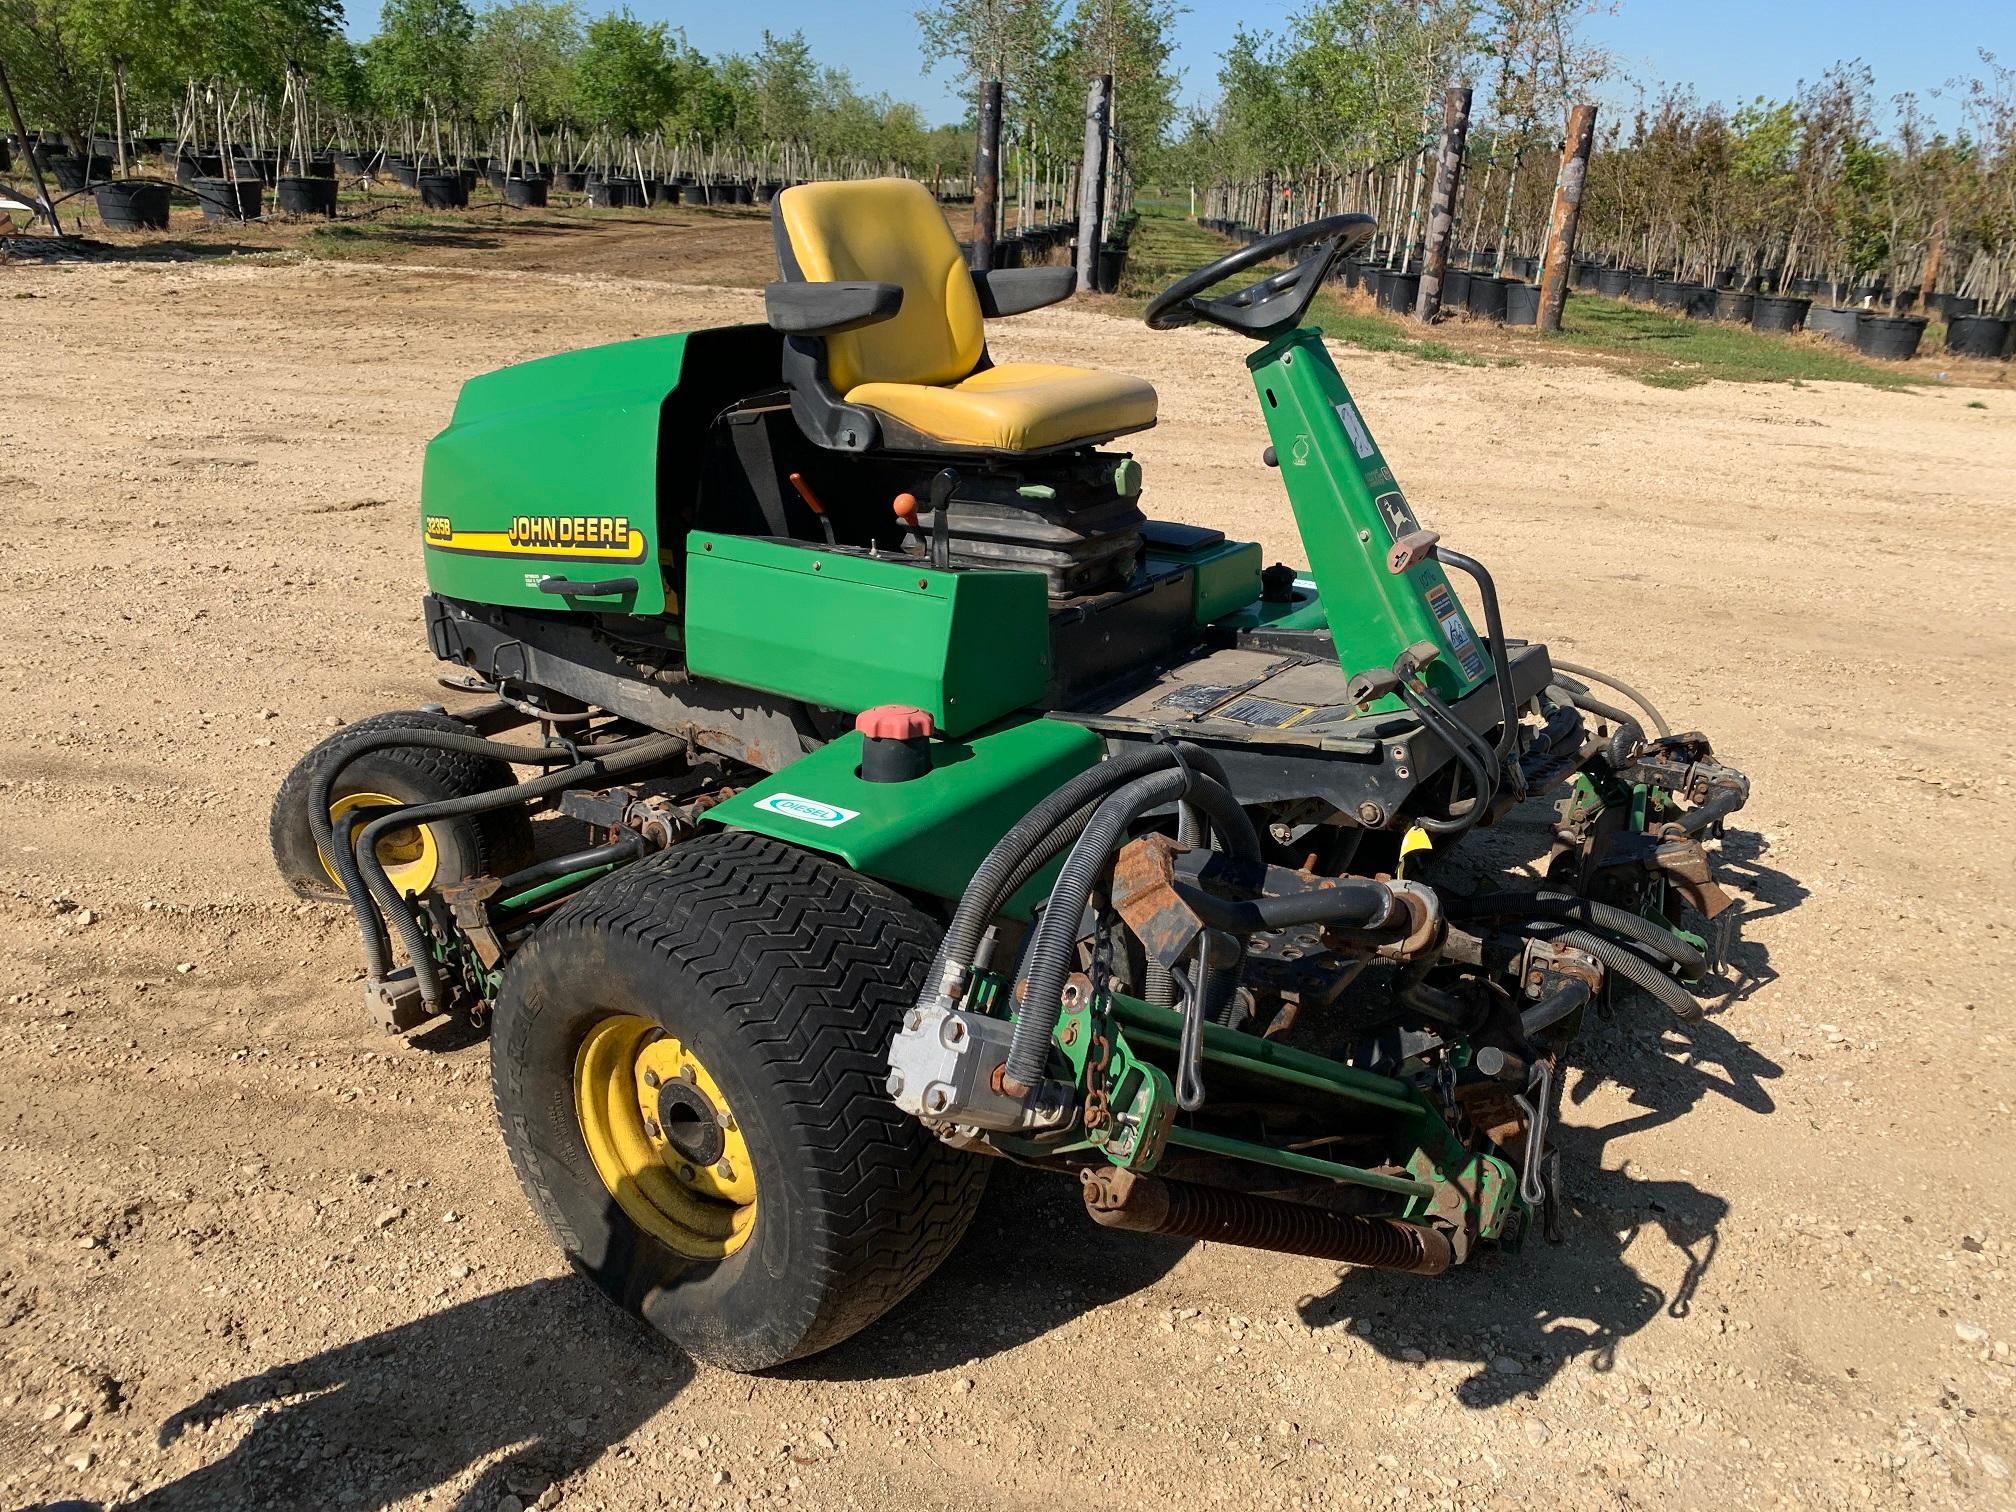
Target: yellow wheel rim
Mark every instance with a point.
(409, 855)
(662, 1138)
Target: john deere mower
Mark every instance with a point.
(907, 800)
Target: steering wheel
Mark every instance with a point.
(1275, 304)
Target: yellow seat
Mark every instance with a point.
(924, 372)
(1017, 407)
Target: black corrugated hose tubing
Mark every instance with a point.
(1628, 963)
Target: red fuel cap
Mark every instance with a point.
(893, 722)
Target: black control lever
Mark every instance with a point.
(941, 519)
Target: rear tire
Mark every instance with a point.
(786, 976)
(490, 843)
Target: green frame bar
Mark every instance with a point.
(1292, 1160)
(1162, 1028)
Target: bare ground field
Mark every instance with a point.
(254, 1255)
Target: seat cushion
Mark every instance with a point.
(887, 231)
(1017, 407)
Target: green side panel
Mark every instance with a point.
(550, 469)
(1224, 577)
(930, 833)
(851, 631)
(1350, 511)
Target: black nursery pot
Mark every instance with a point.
(1977, 336)
(1397, 290)
(133, 205)
(443, 191)
(1485, 298)
(1522, 304)
(306, 196)
(1778, 312)
(1613, 283)
(1894, 338)
(1734, 305)
(526, 193)
(224, 200)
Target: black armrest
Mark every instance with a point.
(1014, 291)
(827, 309)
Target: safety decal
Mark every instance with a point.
(573, 538)
(808, 810)
(1442, 604)
(1361, 438)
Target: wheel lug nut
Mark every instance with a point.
(687, 1173)
(725, 1171)
(651, 1080)
(651, 1128)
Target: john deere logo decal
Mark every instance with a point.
(810, 810)
(575, 538)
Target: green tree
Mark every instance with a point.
(524, 50)
(421, 56)
(628, 74)
(48, 66)
(787, 87)
(1131, 40)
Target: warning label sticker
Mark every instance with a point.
(1361, 439)
(1469, 656)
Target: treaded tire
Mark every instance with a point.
(490, 843)
(786, 975)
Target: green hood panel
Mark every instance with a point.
(549, 469)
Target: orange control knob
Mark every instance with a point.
(894, 722)
(906, 509)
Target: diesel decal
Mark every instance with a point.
(579, 538)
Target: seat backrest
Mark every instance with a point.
(885, 231)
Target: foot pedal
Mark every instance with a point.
(395, 1001)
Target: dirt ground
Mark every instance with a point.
(253, 1254)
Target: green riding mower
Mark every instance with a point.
(907, 800)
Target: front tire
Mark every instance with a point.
(758, 985)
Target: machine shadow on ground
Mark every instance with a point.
(1521, 1319)
(1031, 1262)
(387, 1417)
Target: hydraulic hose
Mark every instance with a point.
(629, 756)
(1569, 907)
(1352, 902)
(1464, 753)
(1628, 963)
(377, 949)
(1038, 837)
(1590, 673)
(1629, 731)
(626, 848)
(1721, 805)
(1049, 958)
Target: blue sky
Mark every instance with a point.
(1728, 49)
